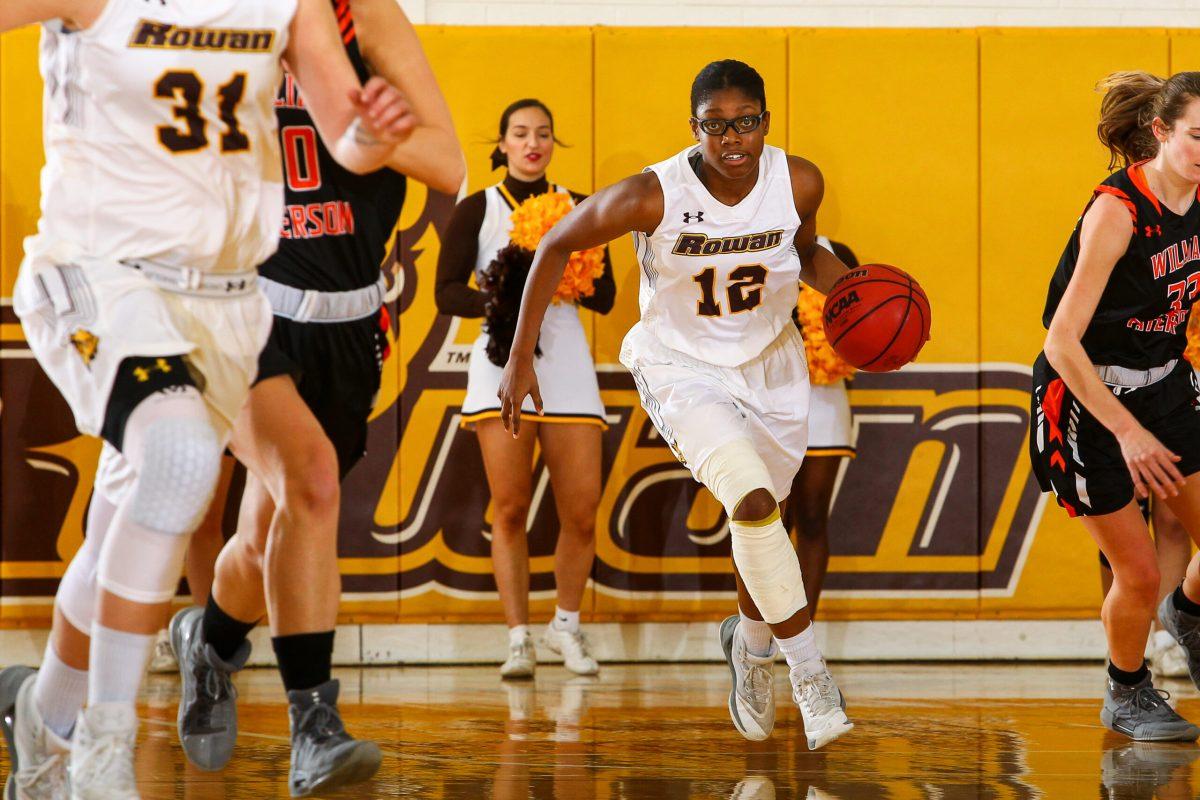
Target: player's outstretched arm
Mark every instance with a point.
(389, 43)
(75, 13)
(360, 125)
(1104, 238)
(820, 268)
(634, 204)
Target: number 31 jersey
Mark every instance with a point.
(719, 282)
(160, 133)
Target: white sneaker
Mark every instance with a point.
(522, 659)
(38, 755)
(573, 647)
(752, 697)
(102, 753)
(820, 703)
(1167, 659)
(163, 660)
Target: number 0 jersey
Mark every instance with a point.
(160, 134)
(719, 282)
(1141, 319)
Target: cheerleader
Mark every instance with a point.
(568, 431)
(830, 439)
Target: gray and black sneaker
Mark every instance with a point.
(1185, 629)
(323, 754)
(207, 719)
(1139, 769)
(1141, 713)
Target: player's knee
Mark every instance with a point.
(1139, 584)
(810, 527)
(313, 487)
(509, 517)
(179, 465)
(758, 504)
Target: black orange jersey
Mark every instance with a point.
(1141, 319)
(336, 225)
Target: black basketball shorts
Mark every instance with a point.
(1078, 459)
(337, 368)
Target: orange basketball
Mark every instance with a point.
(877, 318)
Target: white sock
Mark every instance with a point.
(566, 620)
(801, 647)
(118, 661)
(59, 692)
(517, 634)
(756, 634)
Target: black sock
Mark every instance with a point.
(1181, 602)
(305, 659)
(222, 631)
(1128, 678)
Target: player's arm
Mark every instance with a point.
(820, 268)
(76, 14)
(1104, 238)
(634, 204)
(389, 43)
(360, 125)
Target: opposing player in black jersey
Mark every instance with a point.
(305, 424)
(1116, 411)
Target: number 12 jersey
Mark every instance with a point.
(160, 133)
(719, 282)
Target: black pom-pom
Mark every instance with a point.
(503, 281)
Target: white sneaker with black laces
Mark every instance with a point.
(37, 756)
(101, 764)
(820, 703)
(522, 659)
(573, 647)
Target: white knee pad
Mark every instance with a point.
(176, 456)
(733, 471)
(762, 550)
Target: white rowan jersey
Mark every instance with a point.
(719, 282)
(160, 133)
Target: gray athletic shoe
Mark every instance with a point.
(207, 720)
(752, 696)
(1184, 629)
(1141, 713)
(323, 754)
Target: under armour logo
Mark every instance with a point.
(693, 216)
(235, 286)
(1153, 230)
(143, 373)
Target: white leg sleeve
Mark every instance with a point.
(76, 597)
(176, 457)
(762, 550)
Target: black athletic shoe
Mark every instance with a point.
(323, 754)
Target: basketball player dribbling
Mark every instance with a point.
(161, 194)
(721, 231)
(1116, 410)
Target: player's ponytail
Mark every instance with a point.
(1132, 101)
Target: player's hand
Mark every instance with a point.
(1151, 465)
(518, 382)
(384, 113)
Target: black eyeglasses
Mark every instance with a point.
(717, 127)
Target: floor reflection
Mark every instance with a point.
(661, 732)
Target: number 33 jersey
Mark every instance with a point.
(160, 133)
(719, 282)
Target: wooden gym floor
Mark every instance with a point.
(945, 732)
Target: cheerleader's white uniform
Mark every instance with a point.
(565, 371)
(830, 427)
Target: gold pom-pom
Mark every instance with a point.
(825, 366)
(534, 218)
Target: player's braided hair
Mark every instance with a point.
(1132, 101)
(728, 74)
